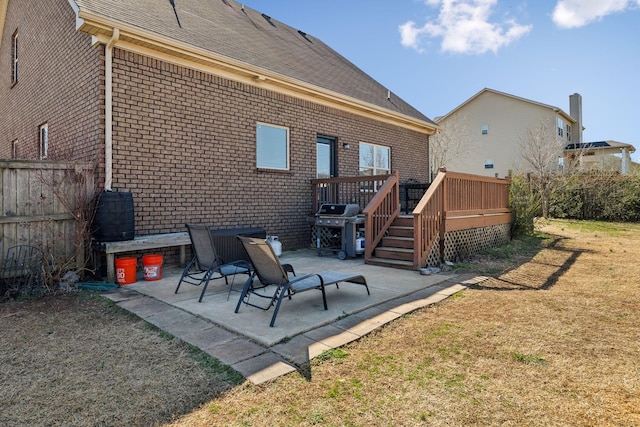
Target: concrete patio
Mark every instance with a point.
(303, 329)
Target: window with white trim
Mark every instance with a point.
(568, 132)
(44, 141)
(560, 127)
(272, 147)
(488, 164)
(485, 129)
(374, 159)
(14, 58)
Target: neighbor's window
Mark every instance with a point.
(568, 132)
(14, 149)
(14, 57)
(488, 164)
(560, 127)
(485, 129)
(44, 141)
(272, 147)
(374, 159)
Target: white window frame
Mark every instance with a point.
(488, 164)
(376, 169)
(485, 129)
(568, 132)
(43, 136)
(560, 127)
(14, 58)
(267, 144)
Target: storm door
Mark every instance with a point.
(326, 157)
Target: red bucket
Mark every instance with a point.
(126, 270)
(152, 267)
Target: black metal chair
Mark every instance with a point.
(270, 272)
(206, 264)
(22, 271)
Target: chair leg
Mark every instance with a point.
(284, 291)
(206, 279)
(245, 290)
(184, 273)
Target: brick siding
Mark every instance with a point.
(185, 146)
(58, 83)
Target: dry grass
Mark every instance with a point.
(555, 341)
(78, 360)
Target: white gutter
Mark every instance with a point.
(108, 110)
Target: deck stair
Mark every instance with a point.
(396, 248)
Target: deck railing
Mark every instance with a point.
(458, 201)
(380, 213)
(357, 189)
(454, 201)
(377, 195)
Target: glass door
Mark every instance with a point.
(326, 157)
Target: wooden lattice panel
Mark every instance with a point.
(459, 245)
(433, 260)
(329, 237)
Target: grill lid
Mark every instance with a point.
(347, 210)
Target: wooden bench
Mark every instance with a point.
(227, 245)
(141, 243)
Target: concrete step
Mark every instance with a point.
(397, 242)
(394, 253)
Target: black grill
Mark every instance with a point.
(344, 219)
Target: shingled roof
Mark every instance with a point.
(245, 38)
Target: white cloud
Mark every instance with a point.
(464, 27)
(577, 13)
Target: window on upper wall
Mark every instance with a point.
(272, 147)
(374, 159)
(14, 58)
(485, 129)
(488, 164)
(14, 149)
(568, 132)
(44, 141)
(560, 127)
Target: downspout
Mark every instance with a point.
(108, 110)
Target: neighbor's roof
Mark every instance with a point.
(600, 145)
(241, 39)
(485, 90)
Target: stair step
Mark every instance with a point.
(394, 253)
(403, 221)
(397, 242)
(400, 231)
(393, 263)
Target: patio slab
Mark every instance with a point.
(303, 329)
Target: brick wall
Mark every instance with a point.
(58, 83)
(184, 145)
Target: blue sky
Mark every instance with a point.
(435, 54)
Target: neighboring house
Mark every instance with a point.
(600, 155)
(492, 132)
(209, 113)
(494, 125)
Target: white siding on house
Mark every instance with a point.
(507, 120)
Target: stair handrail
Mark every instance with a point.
(380, 212)
(429, 220)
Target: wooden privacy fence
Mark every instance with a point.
(45, 204)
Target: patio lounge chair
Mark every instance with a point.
(206, 264)
(270, 272)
